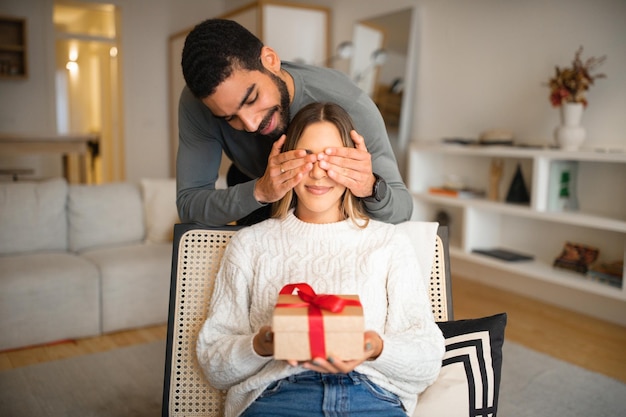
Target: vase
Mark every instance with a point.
(570, 135)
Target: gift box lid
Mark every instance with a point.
(295, 319)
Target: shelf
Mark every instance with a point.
(522, 152)
(573, 218)
(13, 50)
(539, 227)
(543, 272)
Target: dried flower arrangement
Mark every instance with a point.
(570, 84)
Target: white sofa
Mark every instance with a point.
(82, 260)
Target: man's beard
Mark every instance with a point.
(282, 109)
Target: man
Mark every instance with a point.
(238, 99)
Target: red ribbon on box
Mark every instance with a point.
(316, 303)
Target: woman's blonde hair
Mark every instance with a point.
(351, 207)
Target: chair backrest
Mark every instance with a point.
(196, 259)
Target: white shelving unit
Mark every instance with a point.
(532, 228)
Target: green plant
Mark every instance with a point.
(570, 84)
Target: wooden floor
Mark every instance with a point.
(587, 342)
(61, 350)
(572, 337)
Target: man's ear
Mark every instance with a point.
(270, 59)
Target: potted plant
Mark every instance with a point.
(568, 90)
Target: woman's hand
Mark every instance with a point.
(263, 342)
(372, 345)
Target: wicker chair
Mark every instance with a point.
(196, 259)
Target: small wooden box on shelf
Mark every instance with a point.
(13, 50)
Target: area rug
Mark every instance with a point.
(128, 382)
(125, 382)
(534, 384)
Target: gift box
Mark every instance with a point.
(308, 325)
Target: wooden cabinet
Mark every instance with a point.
(538, 228)
(13, 49)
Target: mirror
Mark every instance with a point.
(390, 84)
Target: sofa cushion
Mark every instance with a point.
(104, 215)
(45, 297)
(160, 212)
(32, 216)
(135, 284)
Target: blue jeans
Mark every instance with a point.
(312, 394)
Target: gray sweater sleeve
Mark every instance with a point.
(397, 206)
(197, 168)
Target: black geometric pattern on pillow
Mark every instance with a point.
(477, 345)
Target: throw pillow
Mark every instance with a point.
(160, 212)
(469, 381)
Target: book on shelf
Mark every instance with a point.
(504, 254)
(456, 192)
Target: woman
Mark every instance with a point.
(320, 235)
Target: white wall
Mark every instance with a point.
(144, 66)
(27, 106)
(482, 64)
(146, 27)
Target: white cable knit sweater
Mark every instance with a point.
(377, 262)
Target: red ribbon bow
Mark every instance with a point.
(316, 303)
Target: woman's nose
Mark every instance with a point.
(317, 172)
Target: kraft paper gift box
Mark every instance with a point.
(342, 333)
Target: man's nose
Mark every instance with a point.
(250, 120)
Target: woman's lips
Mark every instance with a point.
(317, 189)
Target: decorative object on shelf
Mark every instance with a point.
(576, 257)
(611, 273)
(563, 186)
(567, 91)
(496, 137)
(570, 135)
(495, 175)
(463, 192)
(518, 193)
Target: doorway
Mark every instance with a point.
(88, 84)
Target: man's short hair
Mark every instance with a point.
(213, 49)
